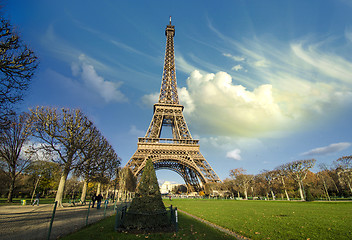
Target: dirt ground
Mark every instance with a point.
(32, 222)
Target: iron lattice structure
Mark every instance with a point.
(181, 153)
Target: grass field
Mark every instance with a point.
(275, 219)
(252, 219)
(189, 229)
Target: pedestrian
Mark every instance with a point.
(37, 199)
(170, 197)
(99, 198)
(94, 198)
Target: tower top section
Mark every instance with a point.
(170, 29)
(168, 90)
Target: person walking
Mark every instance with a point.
(94, 198)
(37, 199)
(99, 198)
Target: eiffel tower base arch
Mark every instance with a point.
(182, 157)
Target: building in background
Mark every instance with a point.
(167, 187)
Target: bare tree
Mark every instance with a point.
(344, 170)
(128, 182)
(111, 171)
(241, 179)
(17, 66)
(331, 175)
(298, 171)
(63, 132)
(282, 174)
(322, 176)
(12, 140)
(230, 186)
(270, 176)
(89, 153)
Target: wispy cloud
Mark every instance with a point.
(235, 58)
(234, 154)
(135, 131)
(108, 90)
(183, 65)
(332, 148)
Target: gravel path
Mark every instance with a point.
(32, 222)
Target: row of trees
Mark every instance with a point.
(291, 180)
(66, 137)
(71, 142)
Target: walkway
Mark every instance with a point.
(32, 222)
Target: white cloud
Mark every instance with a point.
(234, 154)
(219, 106)
(150, 99)
(183, 95)
(186, 100)
(227, 109)
(237, 67)
(285, 87)
(335, 147)
(235, 58)
(109, 91)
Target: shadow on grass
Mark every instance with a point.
(189, 228)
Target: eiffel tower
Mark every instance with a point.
(181, 153)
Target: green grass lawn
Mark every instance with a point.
(189, 229)
(275, 219)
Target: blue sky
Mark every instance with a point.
(263, 82)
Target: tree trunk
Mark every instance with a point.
(283, 183)
(326, 190)
(35, 188)
(107, 191)
(349, 185)
(84, 191)
(119, 195)
(98, 188)
(288, 198)
(60, 190)
(300, 190)
(245, 194)
(115, 195)
(272, 194)
(12, 187)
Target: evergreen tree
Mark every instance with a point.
(147, 211)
